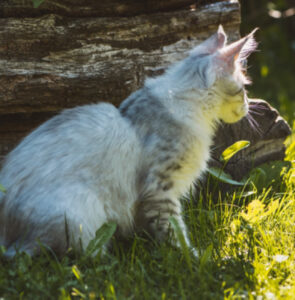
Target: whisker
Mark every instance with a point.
(250, 122)
(253, 120)
(255, 112)
(254, 124)
(258, 106)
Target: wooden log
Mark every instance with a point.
(90, 8)
(51, 62)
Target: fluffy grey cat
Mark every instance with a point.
(96, 163)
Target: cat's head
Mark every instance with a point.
(228, 76)
(214, 77)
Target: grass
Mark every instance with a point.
(246, 246)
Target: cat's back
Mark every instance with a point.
(75, 142)
(74, 166)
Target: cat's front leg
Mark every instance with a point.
(152, 216)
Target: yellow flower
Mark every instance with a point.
(255, 211)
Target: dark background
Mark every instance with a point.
(272, 68)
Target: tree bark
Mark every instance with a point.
(73, 52)
(53, 61)
(90, 8)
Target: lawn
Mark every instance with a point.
(245, 239)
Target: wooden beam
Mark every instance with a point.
(52, 62)
(90, 8)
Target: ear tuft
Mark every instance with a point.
(238, 51)
(212, 44)
(249, 46)
(222, 38)
(220, 29)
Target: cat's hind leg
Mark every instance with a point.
(70, 221)
(30, 238)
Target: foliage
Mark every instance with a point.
(102, 237)
(272, 66)
(245, 243)
(220, 175)
(226, 155)
(233, 149)
(269, 175)
(261, 177)
(37, 3)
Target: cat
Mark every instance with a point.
(131, 165)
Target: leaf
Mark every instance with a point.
(37, 3)
(269, 174)
(76, 292)
(233, 149)
(64, 295)
(102, 236)
(2, 189)
(247, 194)
(224, 177)
(76, 272)
(206, 256)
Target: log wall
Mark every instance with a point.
(68, 53)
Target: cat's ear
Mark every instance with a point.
(237, 51)
(222, 37)
(212, 44)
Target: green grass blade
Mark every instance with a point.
(224, 177)
(180, 237)
(206, 256)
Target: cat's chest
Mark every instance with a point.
(181, 167)
(192, 164)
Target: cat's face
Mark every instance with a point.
(233, 98)
(224, 76)
(230, 79)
